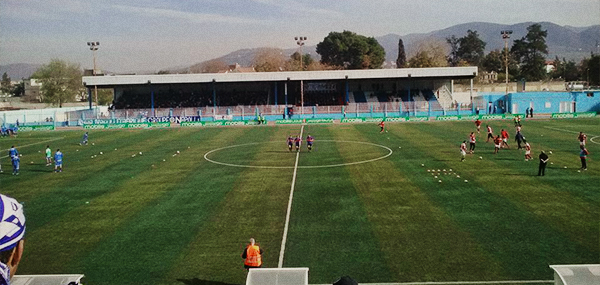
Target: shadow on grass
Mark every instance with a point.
(196, 281)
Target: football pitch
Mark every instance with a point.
(178, 205)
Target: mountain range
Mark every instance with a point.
(571, 43)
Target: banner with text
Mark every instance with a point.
(573, 115)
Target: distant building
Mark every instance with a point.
(33, 90)
(236, 68)
(488, 77)
(549, 66)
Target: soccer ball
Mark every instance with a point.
(133, 155)
(178, 152)
(466, 181)
(481, 157)
(93, 144)
(457, 176)
(550, 152)
(92, 156)
(435, 176)
(422, 164)
(440, 181)
(101, 153)
(450, 169)
(115, 149)
(164, 160)
(140, 153)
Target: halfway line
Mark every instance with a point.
(289, 208)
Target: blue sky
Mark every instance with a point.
(150, 35)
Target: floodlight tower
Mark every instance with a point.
(94, 47)
(506, 36)
(300, 43)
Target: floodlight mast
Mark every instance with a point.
(94, 47)
(506, 36)
(300, 43)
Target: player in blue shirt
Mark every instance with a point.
(84, 140)
(14, 157)
(58, 159)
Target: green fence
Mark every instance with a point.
(573, 115)
(36, 128)
(127, 126)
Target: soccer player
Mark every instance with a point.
(527, 150)
(382, 126)
(14, 157)
(309, 142)
(48, 156)
(472, 141)
(478, 125)
(583, 156)
(504, 135)
(582, 140)
(298, 141)
(58, 159)
(497, 144)
(490, 133)
(84, 140)
(290, 142)
(463, 150)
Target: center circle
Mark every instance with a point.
(206, 156)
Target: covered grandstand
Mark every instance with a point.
(303, 88)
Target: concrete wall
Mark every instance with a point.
(550, 102)
(513, 87)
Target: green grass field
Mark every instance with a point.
(157, 218)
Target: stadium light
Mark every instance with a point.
(300, 43)
(506, 36)
(94, 47)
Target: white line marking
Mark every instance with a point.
(465, 282)
(390, 151)
(55, 139)
(563, 130)
(289, 208)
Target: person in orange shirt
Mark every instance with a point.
(252, 255)
(382, 125)
(478, 125)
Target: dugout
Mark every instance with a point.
(578, 274)
(300, 88)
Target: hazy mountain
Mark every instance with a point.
(19, 70)
(572, 43)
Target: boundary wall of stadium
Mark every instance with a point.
(569, 104)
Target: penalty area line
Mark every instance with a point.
(289, 208)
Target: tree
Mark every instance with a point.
(401, 61)
(296, 64)
(468, 50)
(5, 84)
(530, 52)
(493, 61)
(351, 51)
(269, 59)
(105, 96)
(430, 53)
(61, 81)
(19, 89)
(590, 70)
(211, 66)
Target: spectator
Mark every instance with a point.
(12, 230)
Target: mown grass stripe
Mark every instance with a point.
(254, 206)
(409, 225)
(111, 202)
(516, 237)
(329, 229)
(545, 196)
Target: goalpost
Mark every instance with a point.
(278, 276)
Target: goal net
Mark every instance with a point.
(277, 276)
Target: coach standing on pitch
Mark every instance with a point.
(543, 162)
(252, 255)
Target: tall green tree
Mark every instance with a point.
(351, 51)
(493, 61)
(468, 50)
(590, 69)
(401, 60)
(530, 52)
(5, 84)
(300, 64)
(61, 81)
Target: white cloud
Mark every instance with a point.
(295, 8)
(186, 16)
